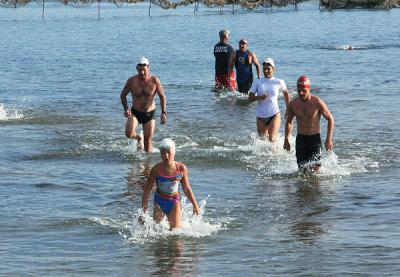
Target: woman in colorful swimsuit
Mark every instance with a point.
(168, 175)
(266, 92)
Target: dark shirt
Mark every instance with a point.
(243, 67)
(222, 53)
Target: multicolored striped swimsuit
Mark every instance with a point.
(167, 194)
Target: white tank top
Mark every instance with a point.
(270, 87)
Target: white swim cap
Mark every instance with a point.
(143, 61)
(167, 144)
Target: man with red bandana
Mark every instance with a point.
(307, 109)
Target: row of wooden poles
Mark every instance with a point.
(166, 4)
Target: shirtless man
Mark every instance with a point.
(307, 109)
(143, 88)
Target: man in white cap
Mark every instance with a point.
(143, 88)
(266, 92)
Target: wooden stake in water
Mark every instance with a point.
(43, 10)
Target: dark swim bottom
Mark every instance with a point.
(267, 120)
(308, 149)
(143, 117)
(245, 87)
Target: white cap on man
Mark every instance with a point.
(167, 144)
(269, 61)
(143, 61)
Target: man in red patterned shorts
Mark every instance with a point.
(222, 52)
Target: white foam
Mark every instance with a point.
(232, 97)
(9, 114)
(192, 225)
(271, 159)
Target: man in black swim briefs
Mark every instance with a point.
(143, 87)
(307, 109)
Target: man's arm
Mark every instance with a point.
(125, 91)
(231, 62)
(331, 122)
(163, 101)
(256, 63)
(288, 126)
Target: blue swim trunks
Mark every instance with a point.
(166, 203)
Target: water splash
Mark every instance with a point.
(193, 226)
(9, 114)
(269, 159)
(232, 97)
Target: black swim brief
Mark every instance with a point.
(143, 117)
(308, 149)
(267, 120)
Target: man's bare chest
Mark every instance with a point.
(143, 91)
(306, 110)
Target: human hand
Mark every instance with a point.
(141, 219)
(196, 210)
(263, 97)
(128, 113)
(163, 118)
(286, 145)
(328, 144)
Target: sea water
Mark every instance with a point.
(71, 182)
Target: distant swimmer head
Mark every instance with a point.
(167, 144)
(303, 82)
(143, 62)
(269, 61)
(224, 34)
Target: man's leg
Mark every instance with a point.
(148, 131)
(245, 87)
(130, 129)
(230, 81)
(218, 83)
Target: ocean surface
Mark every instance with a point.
(71, 182)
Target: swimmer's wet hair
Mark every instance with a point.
(167, 144)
